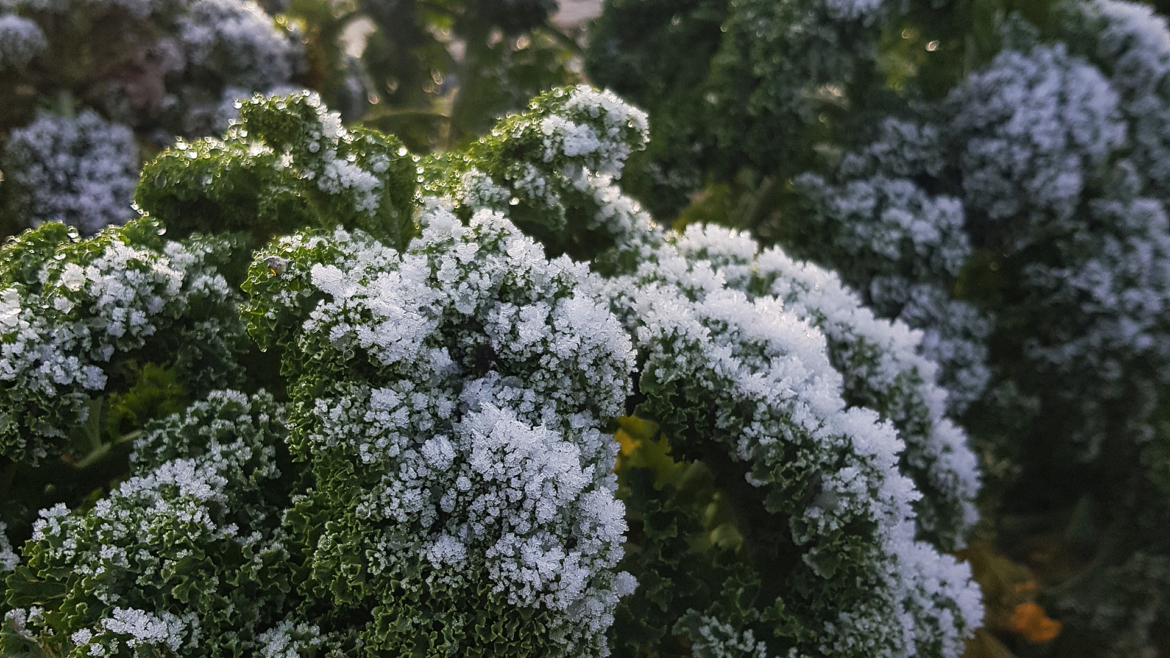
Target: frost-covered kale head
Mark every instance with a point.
(993, 174)
(436, 470)
(288, 164)
(81, 319)
(722, 341)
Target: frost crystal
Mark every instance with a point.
(8, 558)
(60, 333)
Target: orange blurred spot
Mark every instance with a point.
(1030, 620)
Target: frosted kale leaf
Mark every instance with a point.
(1132, 45)
(288, 164)
(901, 247)
(184, 557)
(73, 309)
(450, 401)
(554, 171)
(1035, 128)
(881, 368)
(748, 387)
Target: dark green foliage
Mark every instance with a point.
(438, 476)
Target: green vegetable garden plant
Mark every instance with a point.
(995, 173)
(327, 397)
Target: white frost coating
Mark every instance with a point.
(289, 640)
(143, 527)
(582, 148)
(359, 179)
(880, 362)
(21, 39)
(1033, 127)
(901, 246)
(843, 10)
(765, 378)
(1133, 42)
(79, 171)
(714, 639)
(1121, 292)
(484, 438)
(144, 628)
(8, 557)
(617, 115)
(55, 341)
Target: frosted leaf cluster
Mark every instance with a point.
(158, 554)
(289, 640)
(725, 361)
(711, 638)
(1133, 44)
(348, 165)
(476, 436)
(1034, 127)
(879, 361)
(236, 38)
(21, 39)
(1082, 140)
(172, 69)
(8, 558)
(76, 170)
(1101, 311)
(760, 377)
(442, 477)
(901, 246)
(60, 333)
(575, 143)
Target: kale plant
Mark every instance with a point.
(993, 173)
(475, 403)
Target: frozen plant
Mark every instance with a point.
(881, 365)
(1132, 43)
(76, 170)
(1034, 129)
(73, 312)
(732, 372)
(119, 74)
(184, 557)
(901, 246)
(454, 340)
(8, 558)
